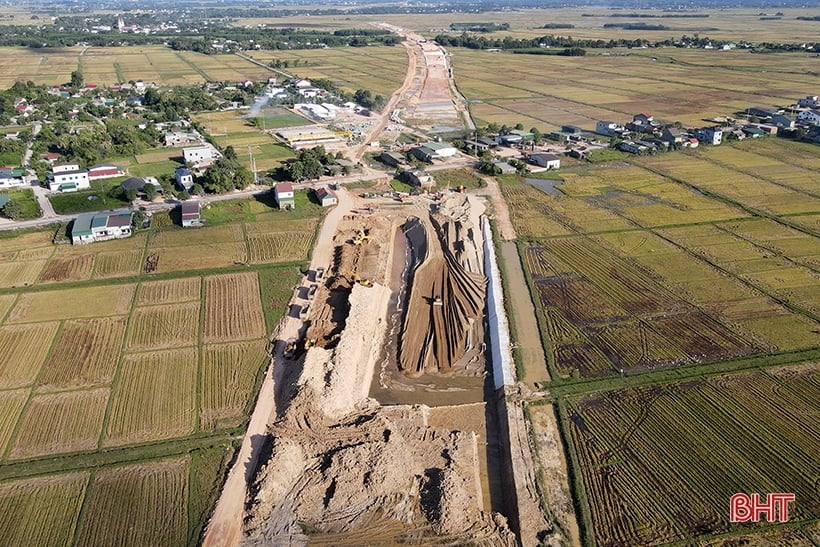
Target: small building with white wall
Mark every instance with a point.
(68, 177)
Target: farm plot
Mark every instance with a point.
(143, 504)
(227, 233)
(169, 292)
(23, 348)
(11, 406)
(43, 511)
(228, 377)
(204, 256)
(529, 215)
(117, 264)
(20, 273)
(61, 422)
(157, 327)
(740, 187)
(86, 353)
(740, 436)
(154, 397)
(233, 310)
(279, 246)
(602, 314)
(72, 304)
(6, 302)
(68, 268)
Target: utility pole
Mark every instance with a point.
(253, 165)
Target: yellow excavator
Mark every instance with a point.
(363, 282)
(361, 237)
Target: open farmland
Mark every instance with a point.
(42, 511)
(628, 443)
(232, 308)
(119, 372)
(87, 352)
(229, 374)
(61, 422)
(105, 66)
(547, 91)
(138, 505)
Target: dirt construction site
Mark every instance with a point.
(382, 431)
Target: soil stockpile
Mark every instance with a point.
(444, 324)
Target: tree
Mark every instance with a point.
(131, 194)
(13, 209)
(519, 126)
(150, 192)
(77, 79)
(536, 135)
(184, 195)
(230, 153)
(197, 189)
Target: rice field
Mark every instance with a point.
(61, 422)
(154, 397)
(547, 91)
(86, 353)
(229, 373)
(232, 308)
(71, 304)
(156, 327)
(627, 444)
(169, 292)
(23, 349)
(41, 511)
(143, 504)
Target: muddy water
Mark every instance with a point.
(389, 385)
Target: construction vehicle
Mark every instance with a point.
(312, 291)
(290, 348)
(363, 282)
(437, 300)
(361, 237)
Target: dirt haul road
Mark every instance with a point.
(225, 526)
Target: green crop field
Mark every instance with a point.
(147, 375)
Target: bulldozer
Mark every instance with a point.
(437, 300)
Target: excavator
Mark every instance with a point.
(361, 237)
(363, 282)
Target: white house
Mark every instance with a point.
(550, 161)
(198, 154)
(610, 129)
(301, 84)
(809, 116)
(283, 194)
(184, 178)
(92, 227)
(326, 197)
(711, 135)
(68, 177)
(10, 178)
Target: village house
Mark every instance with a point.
(541, 159)
(809, 101)
(710, 135)
(190, 214)
(504, 168)
(643, 123)
(92, 227)
(10, 178)
(568, 133)
(326, 197)
(809, 117)
(392, 159)
(198, 155)
(283, 194)
(104, 171)
(672, 135)
(184, 179)
(420, 178)
(181, 138)
(430, 151)
(781, 121)
(68, 177)
(762, 112)
(631, 147)
(609, 129)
